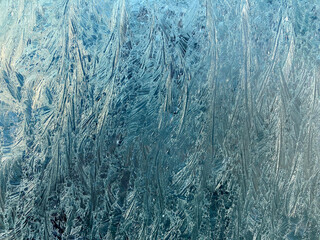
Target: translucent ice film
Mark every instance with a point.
(160, 120)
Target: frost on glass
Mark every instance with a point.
(162, 119)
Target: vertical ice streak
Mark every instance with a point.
(124, 119)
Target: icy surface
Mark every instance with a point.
(161, 119)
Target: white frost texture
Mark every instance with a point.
(160, 120)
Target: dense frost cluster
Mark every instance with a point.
(167, 119)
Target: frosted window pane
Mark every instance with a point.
(124, 119)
